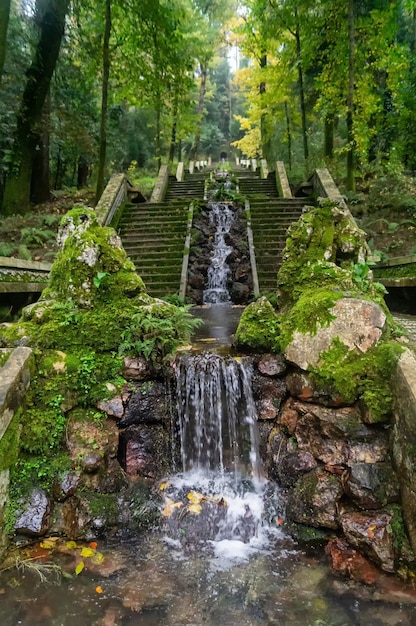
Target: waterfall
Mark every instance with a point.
(222, 218)
(217, 416)
(220, 501)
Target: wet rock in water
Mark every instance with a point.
(146, 405)
(314, 498)
(346, 560)
(268, 394)
(358, 324)
(65, 486)
(150, 588)
(69, 519)
(272, 365)
(35, 518)
(371, 485)
(240, 292)
(372, 535)
(302, 386)
(144, 451)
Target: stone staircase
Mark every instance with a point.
(270, 220)
(249, 184)
(271, 217)
(153, 235)
(191, 187)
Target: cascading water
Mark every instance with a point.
(216, 291)
(217, 416)
(218, 499)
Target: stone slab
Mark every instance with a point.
(14, 383)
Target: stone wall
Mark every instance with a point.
(404, 438)
(14, 384)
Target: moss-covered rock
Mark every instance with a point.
(258, 329)
(321, 248)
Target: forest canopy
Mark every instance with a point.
(92, 88)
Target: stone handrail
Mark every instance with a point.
(325, 186)
(282, 181)
(14, 384)
(264, 170)
(185, 260)
(256, 289)
(113, 196)
(159, 190)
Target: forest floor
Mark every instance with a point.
(389, 219)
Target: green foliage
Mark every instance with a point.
(9, 444)
(23, 252)
(6, 249)
(31, 236)
(367, 376)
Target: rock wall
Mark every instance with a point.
(404, 438)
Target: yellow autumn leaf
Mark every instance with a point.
(195, 509)
(195, 497)
(71, 545)
(164, 486)
(98, 558)
(79, 567)
(170, 506)
(373, 527)
(87, 552)
(48, 543)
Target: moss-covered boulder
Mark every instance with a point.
(322, 248)
(92, 263)
(258, 329)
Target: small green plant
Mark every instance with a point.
(99, 278)
(6, 249)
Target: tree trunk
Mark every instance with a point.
(289, 137)
(264, 135)
(202, 89)
(350, 99)
(40, 184)
(329, 136)
(301, 93)
(104, 102)
(82, 173)
(174, 130)
(4, 22)
(17, 193)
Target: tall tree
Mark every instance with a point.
(104, 101)
(4, 21)
(17, 192)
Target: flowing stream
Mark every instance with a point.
(216, 291)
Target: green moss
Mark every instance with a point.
(9, 443)
(311, 311)
(4, 355)
(367, 376)
(321, 249)
(103, 505)
(396, 271)
(402, 551)
(258, 328)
